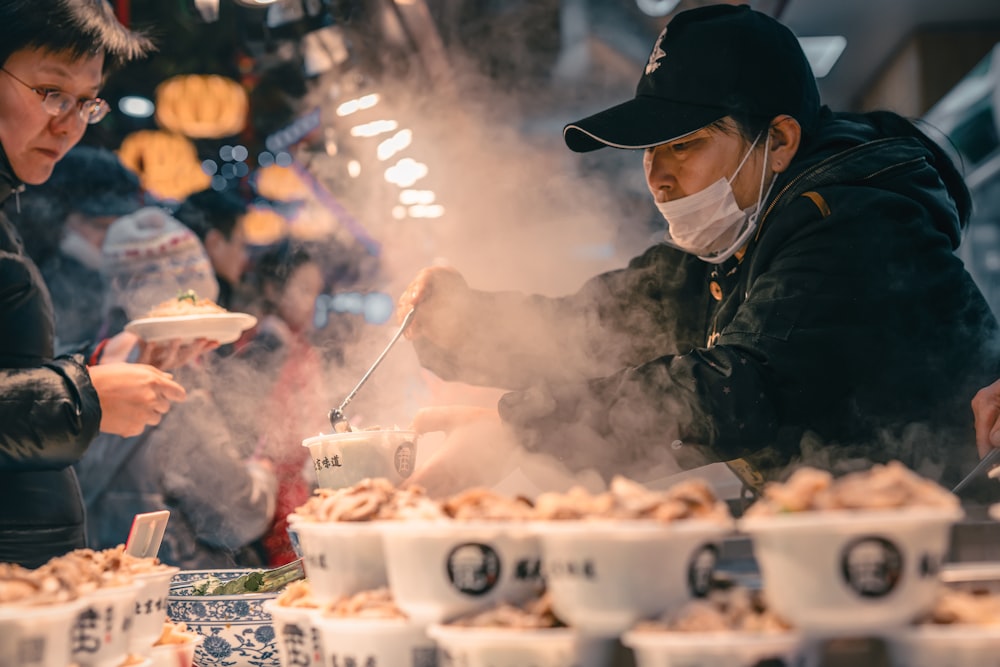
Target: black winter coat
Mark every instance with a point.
(49, 412)
(848, 333)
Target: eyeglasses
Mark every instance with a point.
(56, 102)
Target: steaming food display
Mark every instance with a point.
(188, 317)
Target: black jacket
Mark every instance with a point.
(49, 412)
(848, 332)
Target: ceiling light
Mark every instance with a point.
(822, 52)
(136, 107)
(255, 3)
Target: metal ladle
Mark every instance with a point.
(337, 414)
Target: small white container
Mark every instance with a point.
(959, 645)
(103, 627)
(506, 647)
(711, 649)
(341, 557)
(299, 640)
(38, 635)
(375, 641)
(344, 459)
(603, 576)
(150, 607)
(441, 569)
(851, 572)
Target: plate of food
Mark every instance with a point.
(188, 317)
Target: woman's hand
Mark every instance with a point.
(133, 396)
(436, 293)
(165, 355)
(986, 408)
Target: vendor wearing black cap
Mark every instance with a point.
(805, 305)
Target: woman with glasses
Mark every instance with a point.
(54, 55)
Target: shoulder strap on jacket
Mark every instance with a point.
(817, 199)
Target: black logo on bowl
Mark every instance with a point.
(403, 459)
(871, 566)
(297, 650)
(474, 569)
(701, 569)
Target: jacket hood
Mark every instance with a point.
(844, 141)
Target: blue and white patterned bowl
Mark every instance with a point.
(238, 631)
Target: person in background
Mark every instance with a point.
(289, 399)
(805, 306)
(54, 55)
(95, 189)
(219, 500)
(216, 216)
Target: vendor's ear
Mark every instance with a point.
(786, 135)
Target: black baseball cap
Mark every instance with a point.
(707, 63)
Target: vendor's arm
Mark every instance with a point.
(512, 340)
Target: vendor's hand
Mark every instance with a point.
(436, 290)
(986, 408)
(474, 454)
(133, 396)
(447, 418)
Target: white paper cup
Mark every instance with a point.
(441, 569)
(37, 636)
(102, 630)
(373, 641)
(344, 459)
(603, 575)
(711, 649)
(299, 640)
(851, 572)
(460, 646)
(341, 557)
(150, 607)
(175, 655)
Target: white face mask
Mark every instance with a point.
(709, 223)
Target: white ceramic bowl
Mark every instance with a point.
(505, 647)
(603, 575)
(373, 641)
(958, 645)
(238, 631)
(38, 635)
(103, 627)
(175, 655)
(150, 607)
(845, 572)
(299, 640)
(711, 649)
(344, 459)
(341, 557)
(441, 569)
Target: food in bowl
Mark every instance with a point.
(729, 628)
(339, 531)
(292, 613)
(859, 553)
(509, 635)
(346, 458)
(237, 630)
(479, 552)
(37, 614)
(175, 646)
(963, 628)
(186, 303)
(614, 558)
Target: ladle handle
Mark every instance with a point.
(337, 414)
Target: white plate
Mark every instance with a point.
(221, 327)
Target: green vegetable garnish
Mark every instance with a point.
(261, 581)
(188, 295)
